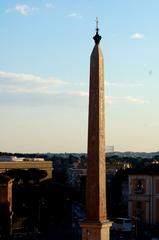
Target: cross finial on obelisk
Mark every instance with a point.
(97, 37)
(97, 22)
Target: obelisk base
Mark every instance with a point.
(96, 231)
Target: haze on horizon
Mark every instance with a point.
(44, 73)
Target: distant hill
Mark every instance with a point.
(148, 155)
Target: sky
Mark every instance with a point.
(45, 48)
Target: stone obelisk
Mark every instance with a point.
(96, 226)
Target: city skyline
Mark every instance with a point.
(44, 74)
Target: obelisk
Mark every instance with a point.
(96, 226)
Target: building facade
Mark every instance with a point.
(74, 176)
(5, 205)
(143, 203)
(27, 164)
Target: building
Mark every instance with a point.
(5, 205)
(109, 149)
(143, 203)
(17, 159)
(74, 176)
(11, 162)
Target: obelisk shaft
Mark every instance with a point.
(96, 178)
(96, 226)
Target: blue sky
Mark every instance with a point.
(44, 72)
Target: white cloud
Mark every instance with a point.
(49, 90)
(137, 36)
(124, 84)
(125, 99)
(28, 83)
(21, 77)
(23, 9)
(74, 15)
(79, 93)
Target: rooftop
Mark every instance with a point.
(152, 169)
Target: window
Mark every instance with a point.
(139, 188)
(139, 205)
